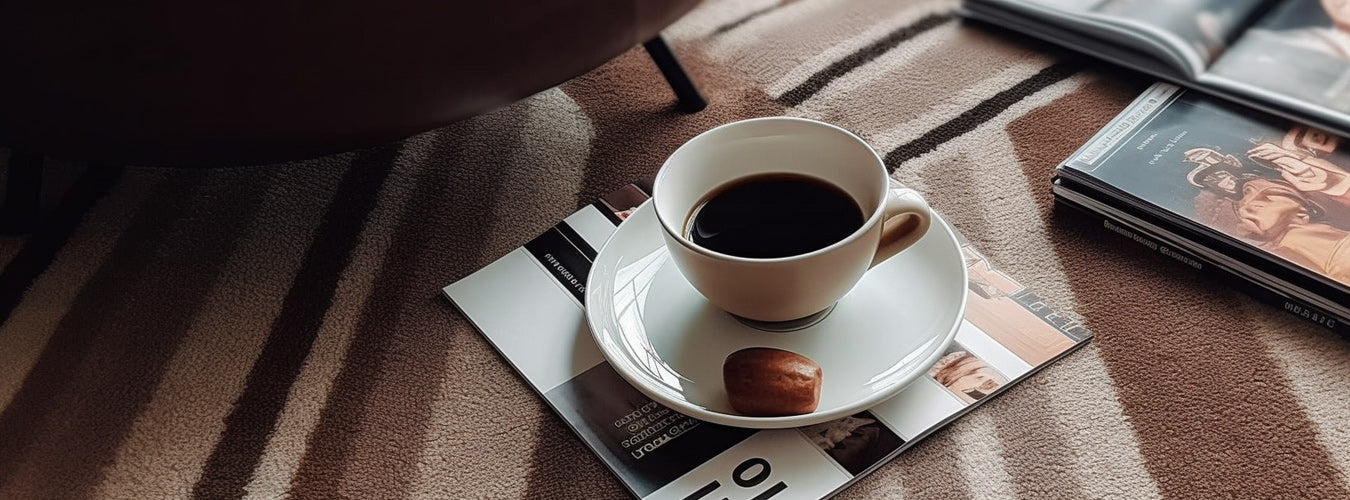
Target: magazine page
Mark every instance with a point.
(1300, 51)
(1267, 184)
(1199, 30)
(1191, 34)
(1124, 49)
(528, 304)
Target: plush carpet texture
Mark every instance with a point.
(278, 330)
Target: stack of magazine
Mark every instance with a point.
(529, 306)
(1222, 176)
(1286, 57)
(1263, 201)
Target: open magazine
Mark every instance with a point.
(528, 304)
(1261, 199)
(1288, 57)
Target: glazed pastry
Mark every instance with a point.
(769, 382)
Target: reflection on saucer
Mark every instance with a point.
(632, 282)
(965, 375)
(791, 325)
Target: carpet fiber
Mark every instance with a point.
(278, 330)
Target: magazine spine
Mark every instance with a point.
(1253, 289)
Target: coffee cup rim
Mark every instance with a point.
(872, 219)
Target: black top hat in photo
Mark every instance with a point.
(1222, 173)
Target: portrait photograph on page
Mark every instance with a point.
(1301, 49)
(855, 442)
(966, 375)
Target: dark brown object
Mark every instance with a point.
(171, 82)
(769, 382)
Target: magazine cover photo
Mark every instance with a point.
(1280, 187)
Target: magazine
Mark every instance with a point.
(1285, 57)
(529, 306)
(1263, 200)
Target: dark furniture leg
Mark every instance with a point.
(689, 100)
(23, 193)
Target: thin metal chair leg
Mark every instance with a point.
(23, 193)
(689, 99)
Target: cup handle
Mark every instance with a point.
(905, 219)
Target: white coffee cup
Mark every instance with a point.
(797, 286)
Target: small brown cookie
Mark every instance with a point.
(769, 382)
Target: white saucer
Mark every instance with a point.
(666, 339)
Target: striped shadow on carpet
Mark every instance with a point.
(276, 331)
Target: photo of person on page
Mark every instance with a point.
(1300, 49)
(1279, 219)
(1283, 198)
(1332, 40)
(1303, 162)
(965, 375)
(1304, 159)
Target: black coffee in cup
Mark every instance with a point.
(773, 215)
